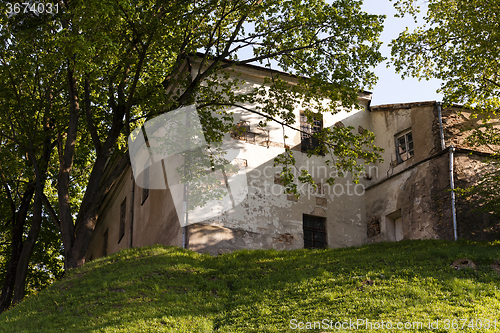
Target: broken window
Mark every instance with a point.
(307, 141)
(404, 146)
(314, 232)
(123, 212)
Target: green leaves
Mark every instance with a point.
(459, 45)
(133, 60)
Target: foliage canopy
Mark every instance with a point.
(75, 83)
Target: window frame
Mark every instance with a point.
(145, 181)
(319, 236)
(105, 238)
(259, 136)
(123, 216)
(307, 141)
(408, 153)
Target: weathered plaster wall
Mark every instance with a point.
(109, 219)
(388, 121)
(421, 194)
(270, 219)
(209, 238)
(473, 224)
(154, 220)
(417, 190)
(459, 123)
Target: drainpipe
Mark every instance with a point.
(441, 134)
(452, 186)
(185, 201)
(185, 217)
(132, 209)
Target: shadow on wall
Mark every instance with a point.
(473, 223)
(476, 225)
(206, 238)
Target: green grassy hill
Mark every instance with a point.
(167, 289)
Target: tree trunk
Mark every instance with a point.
(66, 156)
(17, 246)
(87, 216)
(27, 247)
(40, 177)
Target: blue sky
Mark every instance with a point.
(390, 87)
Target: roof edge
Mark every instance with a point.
(361, 93)
(384, 107)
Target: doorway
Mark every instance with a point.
(394, 226)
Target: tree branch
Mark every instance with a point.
(51, 211)
(90, 122)
(491, 81)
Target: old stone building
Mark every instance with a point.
(406, 197)
(412, 199)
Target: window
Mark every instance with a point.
(145, 175)
(314, 232)
(373, 226)
(241, 130)
(259, 136)
(123, 212)
(307, 141)
(105, 243)
(404, 146)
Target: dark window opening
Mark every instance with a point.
(105, 243)
(123, 212)
(404, 146)
(307, 141)
(314, 232)
(373, 226)
(145, 189)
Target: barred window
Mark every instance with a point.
(259, 136)
(308, 142)
(314, 232)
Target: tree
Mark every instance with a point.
(26, 92)
(113, 65)
(459, 44)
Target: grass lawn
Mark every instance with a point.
(167, 289)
